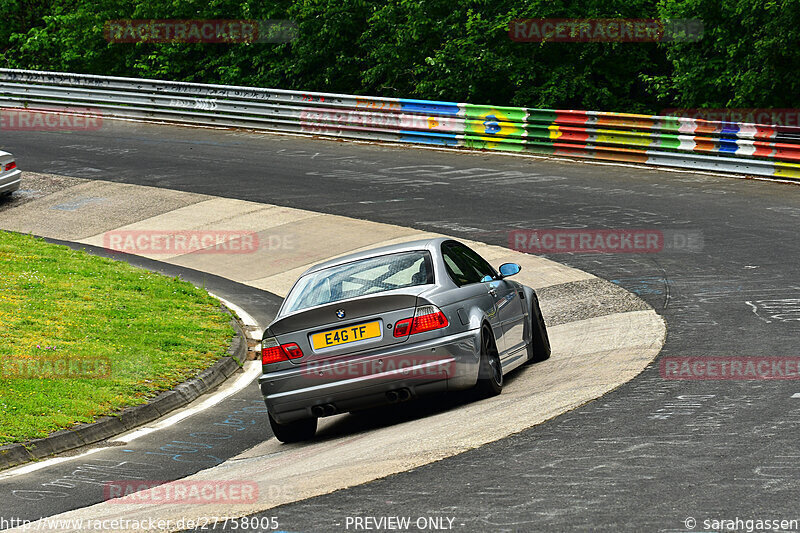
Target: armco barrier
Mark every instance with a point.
(756, 149)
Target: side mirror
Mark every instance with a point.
(509, 269)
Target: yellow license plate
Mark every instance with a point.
(334, 337)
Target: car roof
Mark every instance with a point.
(430, 244)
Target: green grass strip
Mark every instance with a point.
(83, 336)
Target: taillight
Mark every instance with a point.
(272, 352)
(403, 327)
(292, 350)
(10, 166)
(426, 318)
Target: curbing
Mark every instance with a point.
(130, 417)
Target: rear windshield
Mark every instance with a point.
(359, 278)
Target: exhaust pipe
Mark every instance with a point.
(399, 395)
(326, 409)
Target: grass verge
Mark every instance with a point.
(83, 336)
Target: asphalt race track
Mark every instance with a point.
(645, 457)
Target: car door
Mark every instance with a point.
(509, 308)
(495, 288)
(471, 289)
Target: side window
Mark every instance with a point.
(461, 269)
(452, 268)
(478, 263)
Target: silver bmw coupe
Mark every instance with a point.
(391, 324)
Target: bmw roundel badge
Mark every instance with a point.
(340, 313)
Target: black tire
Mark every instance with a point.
(490, 373)
(296, 431)
(539, 347)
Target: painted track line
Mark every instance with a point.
(256, 333)
(33, 467)
(251, 371)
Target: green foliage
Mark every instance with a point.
(437, 49)
(462, 51)
(749, 55)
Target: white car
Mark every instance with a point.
(10, 175)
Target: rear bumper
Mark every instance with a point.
(10, 182)
(361, 381)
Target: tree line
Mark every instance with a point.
(748, 56)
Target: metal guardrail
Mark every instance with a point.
(754, 149)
